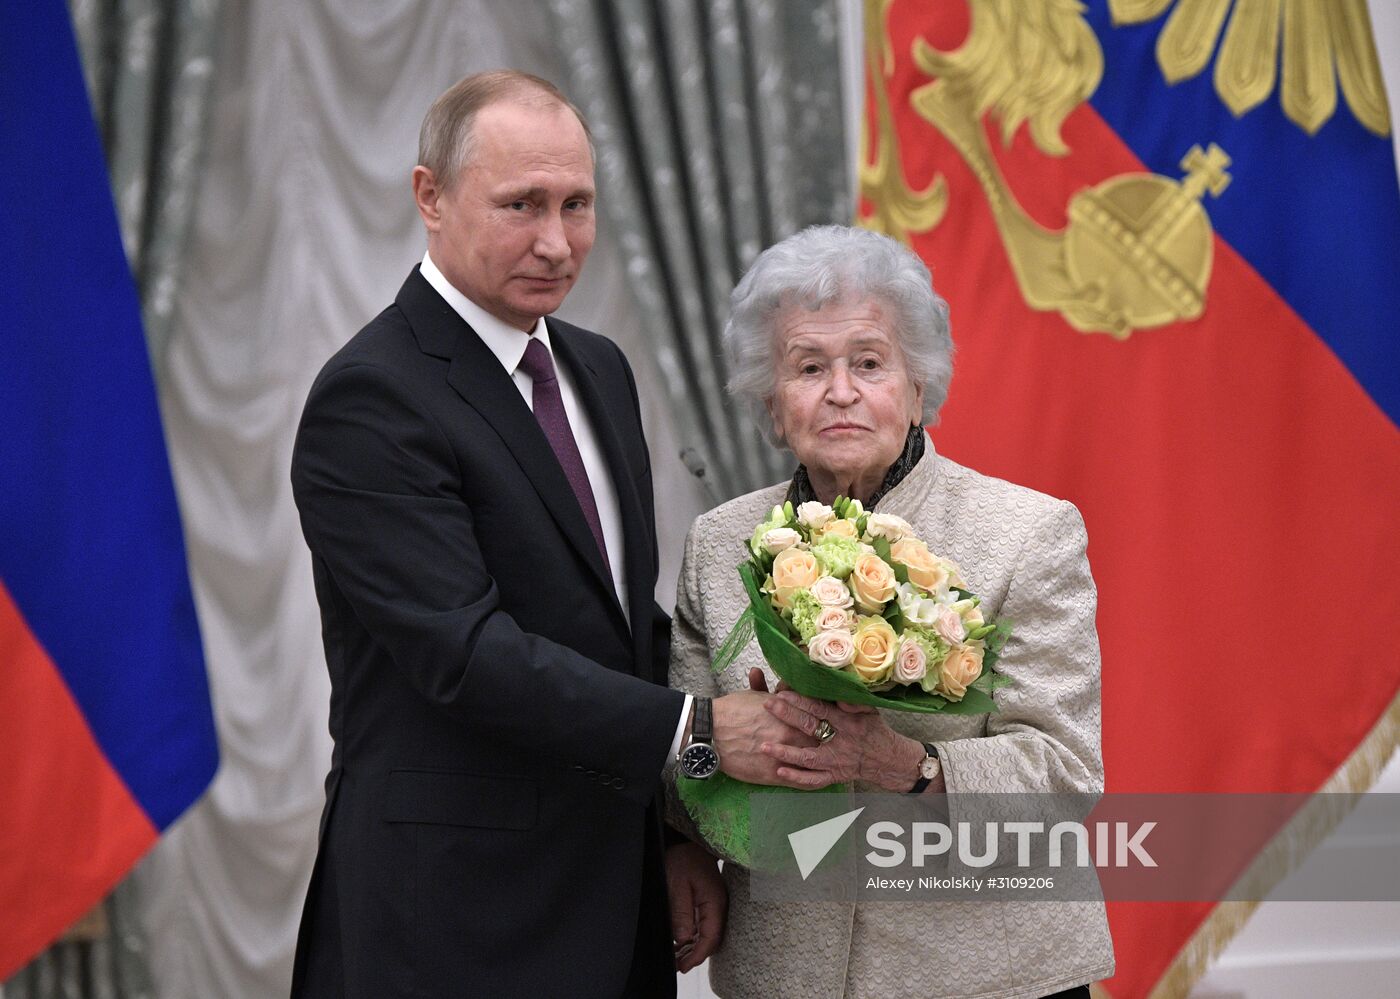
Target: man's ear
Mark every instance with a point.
(426, 193)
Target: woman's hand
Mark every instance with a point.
(863, 748)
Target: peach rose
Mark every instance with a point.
(793, 570)
(910, 662)
(875, 649)
(926, 570)
(835, 529)
(873, 583)
(962, 665)
(835, 619)
(832, 648)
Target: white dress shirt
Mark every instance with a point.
(508, 344)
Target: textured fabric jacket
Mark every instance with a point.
(1024, 553)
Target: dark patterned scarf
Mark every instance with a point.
(800, 490)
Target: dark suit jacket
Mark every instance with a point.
(499, 730)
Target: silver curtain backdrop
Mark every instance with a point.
(260, 154)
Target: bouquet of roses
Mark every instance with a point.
(851, 606)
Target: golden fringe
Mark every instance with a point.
(1285, 852)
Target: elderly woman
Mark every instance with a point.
(841, 348)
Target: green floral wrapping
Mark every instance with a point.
(719, 805)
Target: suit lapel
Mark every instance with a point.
(477, 376)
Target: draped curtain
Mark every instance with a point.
(719, 131)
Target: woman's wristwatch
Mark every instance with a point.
(699, 759)
(929, 768)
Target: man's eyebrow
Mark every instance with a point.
(540, 194)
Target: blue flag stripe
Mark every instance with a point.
(90, 538)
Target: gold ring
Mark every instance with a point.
(825, 731)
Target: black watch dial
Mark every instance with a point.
(699, 760)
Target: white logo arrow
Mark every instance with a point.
(811, 845)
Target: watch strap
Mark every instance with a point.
(921, 785)
(702, 727)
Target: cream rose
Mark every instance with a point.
(793, 570)
(832, 648)
(831, 592)
(962, 665)
(875, 649)
(925, 569)
(949, 625)
(873, 583)
(779, 539)
(813, 515)
(910, 662)
(835, 529)
(835, 619)
(887, 525)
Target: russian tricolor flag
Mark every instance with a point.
(1169, 234)
(106, 734)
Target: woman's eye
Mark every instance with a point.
(810, 369)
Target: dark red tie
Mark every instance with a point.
(549, 410)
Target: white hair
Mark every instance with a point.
(823, 265)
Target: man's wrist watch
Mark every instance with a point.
(929, 768)
(699, 759)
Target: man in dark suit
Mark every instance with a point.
(476, 493)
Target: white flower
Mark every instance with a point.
(970, 613)
(779, 539)
(832, 648)
(887, 525)
(831, 592)
(812, 514)
(916, 608)
(911, 662)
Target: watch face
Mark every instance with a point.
(930, 767)
(699, 760)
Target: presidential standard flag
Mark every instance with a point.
(106, 735)
(1169, 233)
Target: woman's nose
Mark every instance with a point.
(841, 389)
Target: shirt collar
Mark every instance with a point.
(506, 342)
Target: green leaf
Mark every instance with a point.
(739, 636)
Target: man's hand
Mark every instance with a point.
(699, 901)
(743, 728)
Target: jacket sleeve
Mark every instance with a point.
(380, 496)
(690, 663)
(1046, 735)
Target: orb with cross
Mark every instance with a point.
(1141, 243)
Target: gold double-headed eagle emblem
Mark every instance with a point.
(1137, 248)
